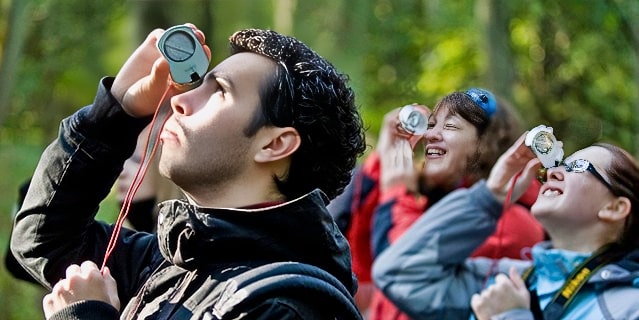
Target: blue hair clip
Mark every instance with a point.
(484, 99)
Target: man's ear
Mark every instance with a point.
(616, 210)
(279, 143)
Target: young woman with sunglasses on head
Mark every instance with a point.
(588, 270)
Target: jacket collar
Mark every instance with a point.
(299, 230)
(557, 264)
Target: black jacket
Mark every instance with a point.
(196, 249)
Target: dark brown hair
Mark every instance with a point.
(496, 133)
(623, 174)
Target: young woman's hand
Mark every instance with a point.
(507, 293)
(396, 155)
(518, 161)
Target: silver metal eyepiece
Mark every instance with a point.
(543, 143)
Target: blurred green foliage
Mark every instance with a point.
(572, 65)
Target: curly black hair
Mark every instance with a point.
(310, 95)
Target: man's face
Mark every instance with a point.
(203, 144)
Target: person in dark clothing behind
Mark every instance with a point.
(153, 189)
(259, 149)
(13, 267)
(142, 208)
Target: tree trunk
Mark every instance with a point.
(152, 14)
(283, 15)
(630, 30)
(499, 73)
(17, 30)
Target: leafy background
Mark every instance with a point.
(571, 64)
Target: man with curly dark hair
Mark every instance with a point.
(258, 148)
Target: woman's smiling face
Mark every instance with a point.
(573, 198)
(450, 148)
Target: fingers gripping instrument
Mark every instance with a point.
(546, 147)
(187, 60)
(413, 122)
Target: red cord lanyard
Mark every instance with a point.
(575, 281)
(162, 112)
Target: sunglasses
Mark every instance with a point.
(577, 166)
